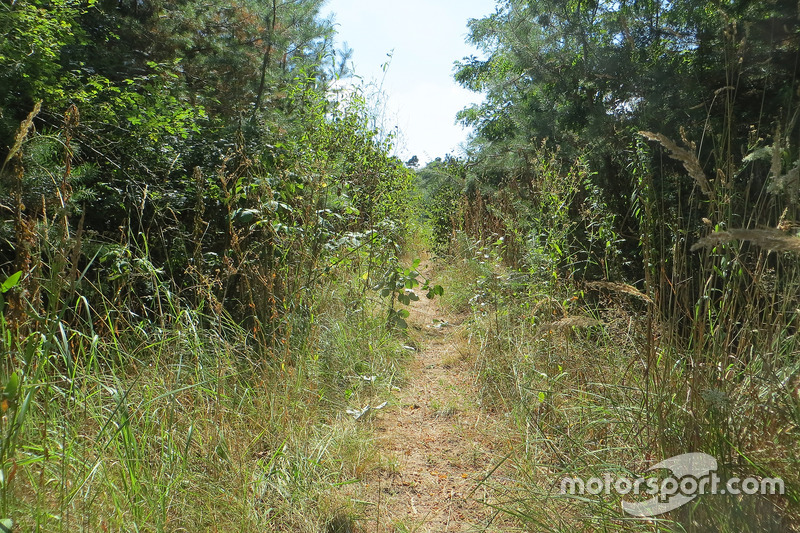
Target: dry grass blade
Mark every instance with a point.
(689, 160)
(770, 239)
(779, 182)
(576, 321)
(775, 167)
(620, 287)
(22, 132)
(788, 183)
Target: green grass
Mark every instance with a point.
(187, 427)
(586, 403)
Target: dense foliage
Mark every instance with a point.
(587, 76)
(596, 81)
(650, 148)
(172, 167)
(202, 133)
(200, 239)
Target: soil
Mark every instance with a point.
(437, 444)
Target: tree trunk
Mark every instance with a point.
(265, 63)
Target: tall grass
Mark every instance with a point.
(572, 367)
(138, 399)
(615, 375)
(183, 427)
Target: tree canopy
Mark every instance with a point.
(587, 76)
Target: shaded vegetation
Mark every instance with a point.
(201, 242)
(193, 224)
(632, 188)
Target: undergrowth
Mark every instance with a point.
(609, 378)
(207, 384)
(570, 363)
(188, 428)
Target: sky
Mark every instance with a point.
(424, 38)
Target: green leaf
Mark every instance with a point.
(245, 216)
(437, 290)
(11, 282)
(25, 405)
(6, 525)
(12, 386)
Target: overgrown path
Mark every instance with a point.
(436, 441)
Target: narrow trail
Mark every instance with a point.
(437, 444)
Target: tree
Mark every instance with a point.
(33, 38)
(163, 92)
(587, 75)
(580, 72)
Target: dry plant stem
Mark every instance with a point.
(23, 228)
(768, 239)
(689, 159)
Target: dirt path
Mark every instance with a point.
(436, 442)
